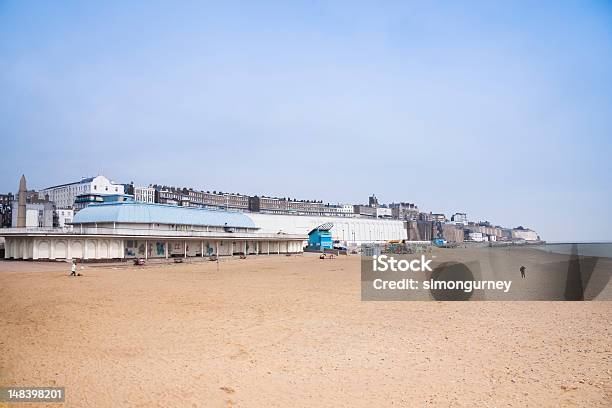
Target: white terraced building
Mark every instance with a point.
(64, 195)
(144, 194)
(119, 230)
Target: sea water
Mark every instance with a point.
(590, 249)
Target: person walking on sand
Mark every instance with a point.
(73, 268)
(522, 271)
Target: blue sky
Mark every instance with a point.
(500, 109)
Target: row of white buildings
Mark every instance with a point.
(66, 195)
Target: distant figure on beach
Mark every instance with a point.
(523, 271)
(73, 268)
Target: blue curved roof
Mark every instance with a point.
(144, 213)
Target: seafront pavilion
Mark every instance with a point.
(140, 230)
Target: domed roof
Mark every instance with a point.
(144, 213)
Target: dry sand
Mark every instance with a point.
(288, 331)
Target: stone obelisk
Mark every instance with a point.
(21, 205)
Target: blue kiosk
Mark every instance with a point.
(320, 238)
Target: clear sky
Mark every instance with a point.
(499, 109)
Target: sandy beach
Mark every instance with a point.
(288, 331)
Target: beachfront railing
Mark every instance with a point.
(77, 230)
